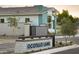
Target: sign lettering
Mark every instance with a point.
(37, 45)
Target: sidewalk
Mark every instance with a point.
(77, 35)
(57, 49)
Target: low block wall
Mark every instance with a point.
(32, 45)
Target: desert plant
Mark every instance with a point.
(71, 42)
(60, 44)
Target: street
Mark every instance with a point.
(70, 51)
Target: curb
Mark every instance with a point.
(57, 49)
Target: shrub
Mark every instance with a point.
(71, 42)
(60, 43)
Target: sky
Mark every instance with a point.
(73, 9)
(71, 5)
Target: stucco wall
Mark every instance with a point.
(27, 30)
(50, 12)
(44, 17)
(33, 45)
(33, 19)
(7, 30)
(53, 18)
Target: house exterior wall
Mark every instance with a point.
(5, 28)
(40, 19)
(36, 20)
(43, 17)
(50, 12)
(27, 30)
(20, 19)
(53, 18)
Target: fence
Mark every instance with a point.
(38, 30)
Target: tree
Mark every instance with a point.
(49, 21)
(68, 28)
(68, 23)
(65, 14)
(13, 23)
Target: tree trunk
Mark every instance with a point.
(66, 40)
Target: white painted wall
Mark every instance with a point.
(6, 29)
(33, 19)
(51, 14)
(21, 46)
(27, 29)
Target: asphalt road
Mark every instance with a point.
(70, 51)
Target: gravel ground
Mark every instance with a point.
(7, 44)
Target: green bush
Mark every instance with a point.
(71, 42)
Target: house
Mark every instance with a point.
(37, 16)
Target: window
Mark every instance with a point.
(1, 20)
(27, 20)
(53, 24)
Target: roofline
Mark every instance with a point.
(51, 8)
(20, 15)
